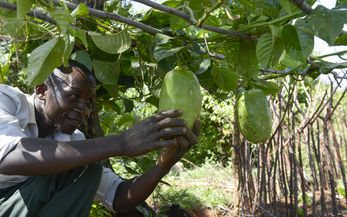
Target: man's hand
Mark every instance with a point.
(172, 155)
(158, 131)
(134, 191)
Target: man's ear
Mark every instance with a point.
(40, 91)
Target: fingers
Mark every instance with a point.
(170, 122)
(167, 133)
(191, 137)
(183, 144)
(166, 143)
(170, 128)
(173, 113)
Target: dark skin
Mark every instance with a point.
(63, 106)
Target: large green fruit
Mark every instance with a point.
(181, 90)
(254, 116)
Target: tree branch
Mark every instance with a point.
(306, 8)
(336, 76)
(166, 9)
(278, 72)
(330, 54)
(187, 17)
(40, 14)
(207, 13)
(112, 16)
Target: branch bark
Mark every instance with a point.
(112, 16)
(93, 12)
(40, 14)
(306, 8)
(188, 18)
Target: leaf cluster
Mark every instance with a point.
(281, 37)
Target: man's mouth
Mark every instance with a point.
(75, 121)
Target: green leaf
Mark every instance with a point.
(153, 100)
(162, 39)
(327, 67)
(288, 61)
(199, 7)
(82, 57)
(171, 3)
(128, 104)
(112, 44)
(177, 23)
(203, 66)
(327, 24)
(23, 6)
(162, 52)
(20, 29)
(106, 72)
(13, 27)
(69, 45)
(113, 90)
(8, 13)
(291, 42)
(264, 49)
(167, 64)
(341, 40)
(298, 44)
(82, 35)
(269, 87)
(44, 59)
(278, 46)
(276, 31)
(289, 7)
(63, 18)
(341, 3)
(82, 10)
(144, 47)
(225, 78)
(126, 119)
(247, 64)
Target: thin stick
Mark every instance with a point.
(303, 181)
(306, 8)
(112, 16)
(187, 17)
(37, 13)
(321, 152)
(339, 158)
(315, 183)
(295, 169)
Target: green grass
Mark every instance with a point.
(206, 186)
(210, 185)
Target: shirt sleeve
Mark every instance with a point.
(10, 130)
(107, 188)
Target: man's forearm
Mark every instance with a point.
(36, 156)
(135, 191)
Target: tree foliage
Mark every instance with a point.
(231, 46)
(231, 43)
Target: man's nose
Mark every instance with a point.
(83, 108)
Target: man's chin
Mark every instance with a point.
(67, 130)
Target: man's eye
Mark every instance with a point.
(74, 96)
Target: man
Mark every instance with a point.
(48, 168)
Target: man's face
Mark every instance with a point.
(69, 100)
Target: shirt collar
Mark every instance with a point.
(30, 99)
